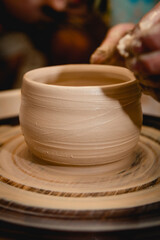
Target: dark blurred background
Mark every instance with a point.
(38, 33)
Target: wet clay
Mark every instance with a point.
(81, 114)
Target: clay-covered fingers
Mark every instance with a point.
(147, 69)
(107, 52)
(143, 36)
(150, 86)
(145, 64)
(145, 41)
(141, 49)
(150, 19)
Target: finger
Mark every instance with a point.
(150, 85)
(148, 40)
(151, 18)
(154, 92)
(150, 81)
(146, 64)
(115, 33)
(108, 46)
(131, 43)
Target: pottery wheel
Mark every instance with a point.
(37, 193)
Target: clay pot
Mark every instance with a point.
(81, 114)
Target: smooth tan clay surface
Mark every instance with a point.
(87, 82)
(81, 114)
(89, 79)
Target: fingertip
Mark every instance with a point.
(93, 59)
(98, 57)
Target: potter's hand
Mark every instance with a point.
(107, 52)
(140, 50)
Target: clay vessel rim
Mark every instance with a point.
(121, 71)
